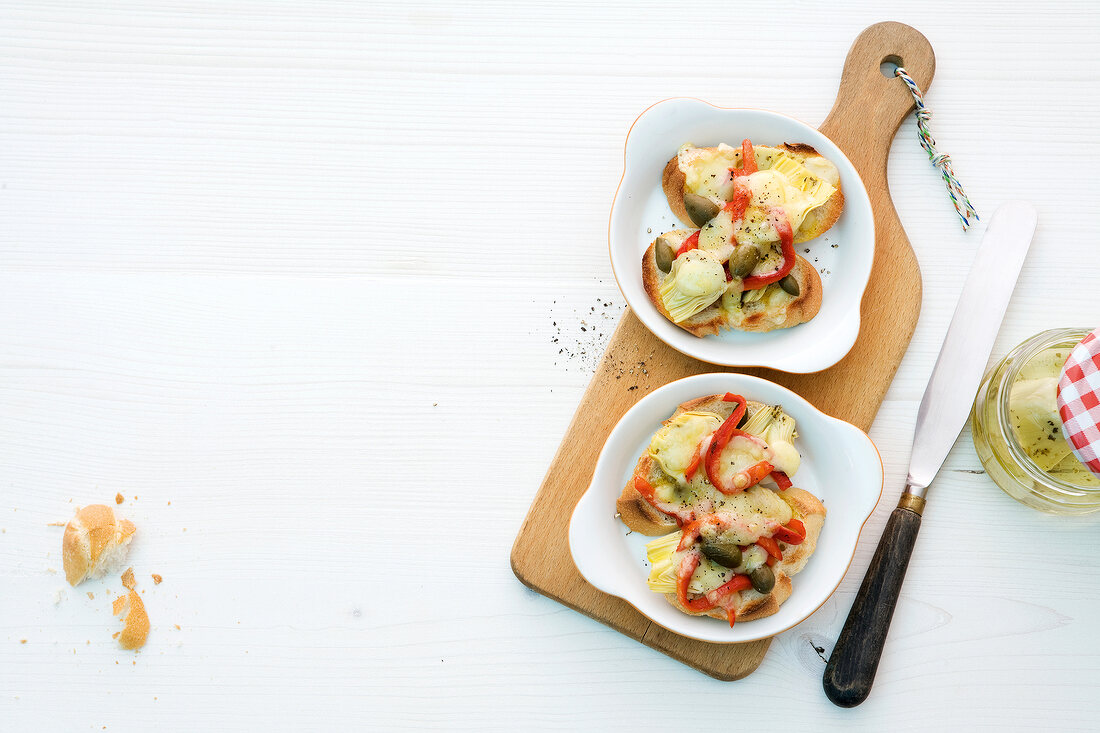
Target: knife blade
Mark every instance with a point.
(944, 408)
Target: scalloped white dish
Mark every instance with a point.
(840, 465)
(843, 255)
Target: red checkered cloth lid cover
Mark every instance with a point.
(1079, 401)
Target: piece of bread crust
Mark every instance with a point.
(94, 543)
(816, 223)
(712, 319)
(637, 513)
(135, 628)
(752, 605)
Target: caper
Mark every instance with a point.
(725, 554)
(762, 579)
(790, 284)
(664, 253)
(744, 258)
(700, 209)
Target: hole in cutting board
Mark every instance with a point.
(889, 64)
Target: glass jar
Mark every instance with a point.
(1006, 460)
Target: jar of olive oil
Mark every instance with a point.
(1018, 431)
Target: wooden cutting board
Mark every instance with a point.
(869, 109)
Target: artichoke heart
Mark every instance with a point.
(1033, 412)
(664, 559)
(777, 429)
(662, 570)
(696, 280)
(707, 170)
(790, 186)
(675, 444)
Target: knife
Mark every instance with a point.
(943, 411)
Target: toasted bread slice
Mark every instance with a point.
(637, 513)
(752, 605)
(783, 311)
(817, 221)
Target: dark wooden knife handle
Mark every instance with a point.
(854, 661)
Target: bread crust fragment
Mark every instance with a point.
(93, 536)
(757, 318)
(816, 223)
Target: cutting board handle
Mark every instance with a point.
(869, 106)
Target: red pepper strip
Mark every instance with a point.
(739, 583)
(786, 238)
(683, 578)
(770, 561)
(711, 599)
(697, 458)
(645, 489)
(740, 201)
(725, 431)
(794, 533)
(781, 478)
(748, 158)
(689, 533)
(649, 494)
(689, 244)
(693, 466)
(731, 615)
(743, 479)
(770, 546)
(755, 473)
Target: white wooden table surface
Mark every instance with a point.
(293, 278)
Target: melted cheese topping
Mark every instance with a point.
(707, 170)
(797, 187)
(738, 454)
(676, 443)
(716, 236)
(748, 514)
(752, 514)
(696, 280)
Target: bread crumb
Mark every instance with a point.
(177, 626)
(136, 621)
(51, 571)
(128, 581)
(157, 579)
(119, 498)
(116, 606)
(91, 595)
(56, 524)
(115, 636)
(22, 641)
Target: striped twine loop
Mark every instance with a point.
(942, 161)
